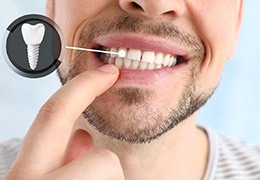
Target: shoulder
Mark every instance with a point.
(237, 160)
(8, 152)
(232, 159)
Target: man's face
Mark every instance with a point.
(152, 95)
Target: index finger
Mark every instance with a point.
(46, 141)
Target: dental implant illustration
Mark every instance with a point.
(33, 36)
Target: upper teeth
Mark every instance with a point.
(136, 59)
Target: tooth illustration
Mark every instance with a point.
(33, 36)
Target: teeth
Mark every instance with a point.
(111, 60)
(119, 62)
(151, 66)
(148, 57)
(135, 64)
(172, 61)
(159, 58)
(166, 60)
(136, 59)
(107, 49)
(113, 50)
(134, 54)
(127, 63)
(143, 65)
(122, 52)
(158, 66)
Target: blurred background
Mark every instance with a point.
(233, 110)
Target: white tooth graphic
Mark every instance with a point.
(33, 36)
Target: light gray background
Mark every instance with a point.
(233, 110)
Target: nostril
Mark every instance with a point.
(136, 6)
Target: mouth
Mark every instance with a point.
(136, 59)
(141, 52)
(147, 60)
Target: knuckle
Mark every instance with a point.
(108, 156)
(111, 161)
(52, 107)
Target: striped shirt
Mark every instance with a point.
(229, 159)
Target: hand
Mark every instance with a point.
(43, 150)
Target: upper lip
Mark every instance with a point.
(142, 42)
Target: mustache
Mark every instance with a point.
(126, 23)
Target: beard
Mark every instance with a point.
(140, 122)
(128, 114)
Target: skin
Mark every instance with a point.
(76, 150)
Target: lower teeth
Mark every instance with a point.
(133, 64)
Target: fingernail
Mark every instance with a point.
(109, 68)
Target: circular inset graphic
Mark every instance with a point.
(33, 46)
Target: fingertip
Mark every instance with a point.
(109, 69)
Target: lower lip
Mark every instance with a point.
(144, 77)
(140, 77)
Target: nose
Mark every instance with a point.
(153, 9)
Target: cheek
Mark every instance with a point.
(214, 21)
(71, 16)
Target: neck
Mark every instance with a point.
(181, 150)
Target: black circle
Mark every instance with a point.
(49, 52)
